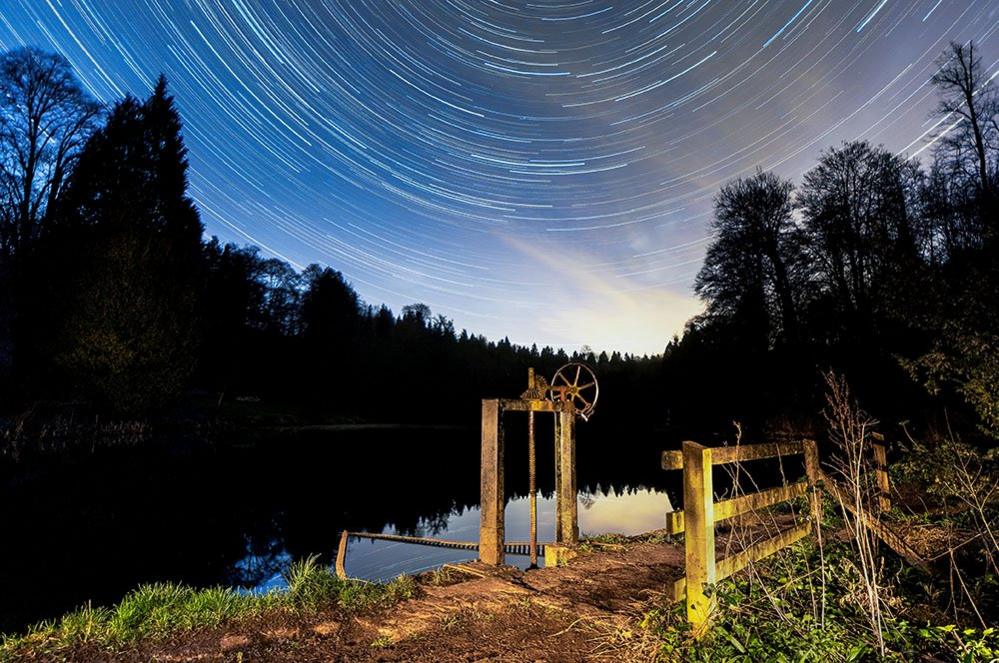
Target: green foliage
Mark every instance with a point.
(128, 341)
(946, 468)
(964, 358)
(782, 613)
(154, 611)
(592, 542)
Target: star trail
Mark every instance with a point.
(540, 170)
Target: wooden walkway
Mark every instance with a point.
(512, 548)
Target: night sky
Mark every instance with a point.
(540, 170)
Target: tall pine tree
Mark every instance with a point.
(132, 241)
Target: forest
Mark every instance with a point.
(877, 266)
(861, 300)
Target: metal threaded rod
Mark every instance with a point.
(532, 488)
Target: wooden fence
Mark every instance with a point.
(701, 512)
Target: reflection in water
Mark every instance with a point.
(599, 513)
(237, 513)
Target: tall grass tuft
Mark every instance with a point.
(153, 611)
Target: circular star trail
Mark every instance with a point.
(539, 170)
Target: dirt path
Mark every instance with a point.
(555, 615)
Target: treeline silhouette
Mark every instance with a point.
(874, 266)
(112, 300)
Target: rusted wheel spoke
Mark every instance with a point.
(570, 391)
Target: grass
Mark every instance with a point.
(157, 610)
(772, 614)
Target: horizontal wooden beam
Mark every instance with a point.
(754, 553)
(743, 504)
(520, 405)
(673, 460)
(890, 538)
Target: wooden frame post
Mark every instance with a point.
(699, 539)
(813, 473)
(491, 508)
(567, 519)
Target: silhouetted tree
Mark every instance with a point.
(752, 271)
(859, 203)
(968, 148)
(132, 239)
(45, 119)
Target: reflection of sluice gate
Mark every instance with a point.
(512, 548)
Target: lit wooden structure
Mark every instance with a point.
(701, 512)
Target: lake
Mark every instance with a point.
(237, 512)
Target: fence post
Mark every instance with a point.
(881, 474)
(813, 472)
(699, 537)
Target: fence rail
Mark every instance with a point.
(701, 512)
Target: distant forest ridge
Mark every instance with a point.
(873, 266)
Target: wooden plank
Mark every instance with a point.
(673, 460)
(520, 405)
(734, 563)
(754, 553)
(512, 547)
(699, 542)
(890, 538)
(737, 506)
(748, 452)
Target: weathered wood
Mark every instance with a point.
(511, 547)
(341, 555)
(521, 405)
(568, 533)
(813, 474)
(491, 527)
(673, 460)
(748, 452)
(731, 565)
(740, 560)
(737, 506)
(890, 538)
(881, 474)
(699, 542)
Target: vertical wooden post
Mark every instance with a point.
(341, 554)
(881, 474)
(699, 537)
(813, 472)
(558, 478)
(491, 527)
(568, 521)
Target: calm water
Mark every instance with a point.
(238, 513)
